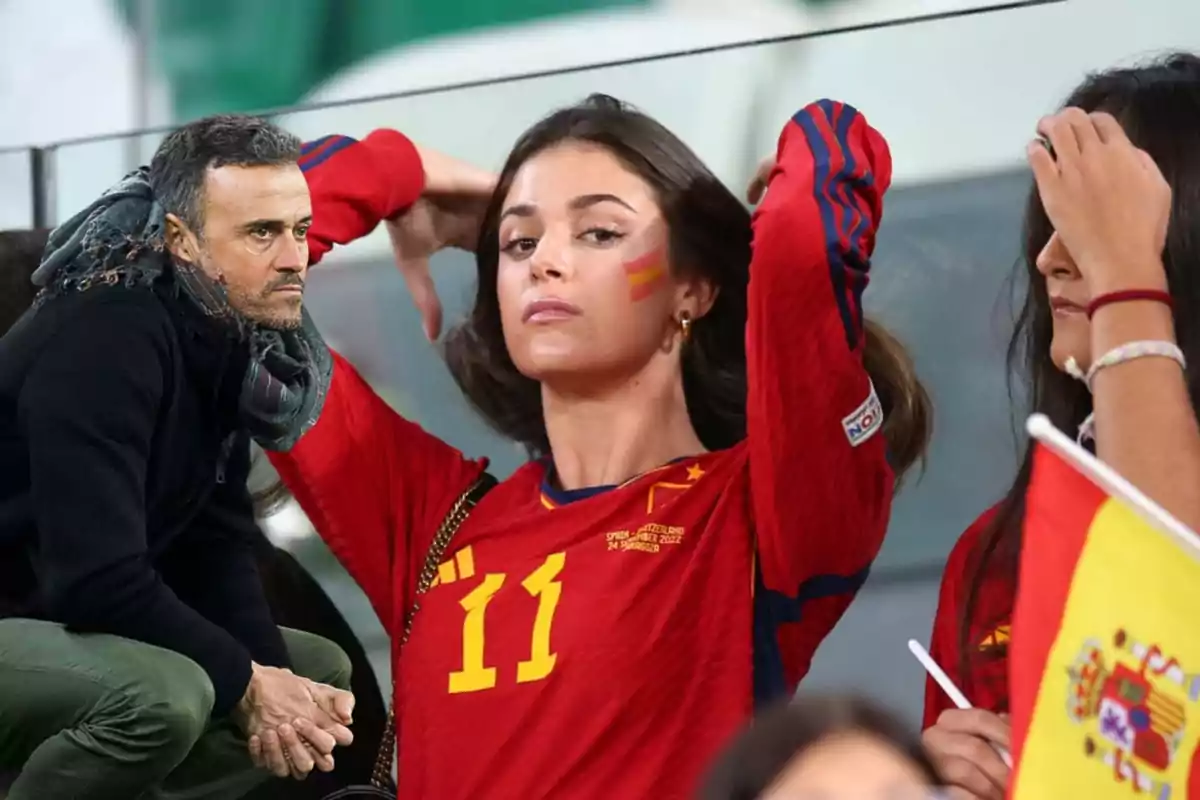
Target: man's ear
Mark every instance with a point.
(179, 240)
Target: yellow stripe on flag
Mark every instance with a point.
(1117, 713)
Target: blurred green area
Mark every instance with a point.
(242, 55)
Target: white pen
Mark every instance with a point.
(953, 692)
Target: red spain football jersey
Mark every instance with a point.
(604, 643)
(985, 678)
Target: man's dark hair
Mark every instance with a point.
(179, 166)
(20, 254)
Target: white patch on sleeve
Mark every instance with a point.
(864, 421)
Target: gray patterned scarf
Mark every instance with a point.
(119, 239)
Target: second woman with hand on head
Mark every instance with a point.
(715, 433)
(1112, 245)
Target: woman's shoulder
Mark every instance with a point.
(962, 563)
(126, 306)
(967, 574)
(125, 325)
(969, 540)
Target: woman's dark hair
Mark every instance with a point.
(1158, 105)
(20, 253)
(710, 234)
(758, 756)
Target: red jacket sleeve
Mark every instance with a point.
(374, 485)
(821, 484)
(355, 185)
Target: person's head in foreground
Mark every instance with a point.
(824, 747)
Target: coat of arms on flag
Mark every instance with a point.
(1105, 659)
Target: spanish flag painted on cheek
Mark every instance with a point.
(1105, 658)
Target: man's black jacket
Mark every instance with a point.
(123, 501)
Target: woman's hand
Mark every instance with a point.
(963, 746)
(758, 184)
(1107, 200)
(448, 214)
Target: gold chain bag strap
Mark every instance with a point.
(433, 558)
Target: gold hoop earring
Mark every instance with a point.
(685, 324)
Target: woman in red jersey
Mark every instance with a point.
(1125, 161)
(711, 476)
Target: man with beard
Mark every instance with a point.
(137, 651)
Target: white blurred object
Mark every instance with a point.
(711, 100)
(67, 69)
(287, 525)
(962, 97)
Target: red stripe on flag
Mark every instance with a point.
(1060, 507)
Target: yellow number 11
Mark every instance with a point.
(541, 583)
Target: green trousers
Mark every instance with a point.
(99, 717)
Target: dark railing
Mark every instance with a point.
(41, 186)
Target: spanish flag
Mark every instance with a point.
(1104, 664)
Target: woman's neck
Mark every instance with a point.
(607, 437)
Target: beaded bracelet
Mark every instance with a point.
(1131, 351)
(1121, 354)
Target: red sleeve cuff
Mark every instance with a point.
(399, 163)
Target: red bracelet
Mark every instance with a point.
(1128, 295)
